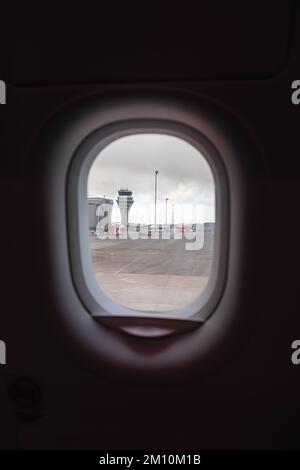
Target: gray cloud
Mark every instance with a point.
(184, 174)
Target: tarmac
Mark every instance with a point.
(151, 275)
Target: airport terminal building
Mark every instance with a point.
(99, 207)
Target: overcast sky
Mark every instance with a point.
(184, 177)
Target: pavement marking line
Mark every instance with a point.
(133, 261)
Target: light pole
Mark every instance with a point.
(155, 195)
(167, 210)
(173, 215)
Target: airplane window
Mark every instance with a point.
(151, 222)
(154, 198)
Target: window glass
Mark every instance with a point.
(151, 204)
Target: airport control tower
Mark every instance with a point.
(125, 201)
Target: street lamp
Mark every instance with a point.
(155, 194)
(173, 205)
(167, 210)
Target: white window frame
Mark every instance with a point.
(197, 347)
(96, 300)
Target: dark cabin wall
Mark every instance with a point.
(241, 55)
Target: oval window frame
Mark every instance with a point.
(97, 301)
(111, 352)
